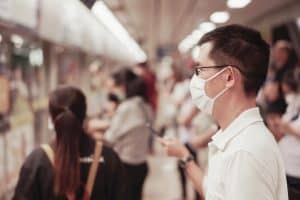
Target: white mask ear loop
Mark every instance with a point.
(222, 91)
(215, 75)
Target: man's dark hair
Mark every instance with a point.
(243, 47)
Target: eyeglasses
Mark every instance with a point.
(200, 69)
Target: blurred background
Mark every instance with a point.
(45, 43)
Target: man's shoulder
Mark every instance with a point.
(259, 142)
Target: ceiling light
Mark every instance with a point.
(190, 41)
(105, 15)
(195, 52)
(36, 57)
(238, 3)
(207, 26)
(17, 40)
(197, 34)
(220, 17)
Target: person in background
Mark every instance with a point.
(272, 113)
(282, 59)
(143, 70)
(244, 159)
(186, 113)
(112, 105)
(270, 95)
(128, 131)
(66, 177)
(289, 127)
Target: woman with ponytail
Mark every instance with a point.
(65, 175)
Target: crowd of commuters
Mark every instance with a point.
(231, 119)
(279, 100)
(62, 169)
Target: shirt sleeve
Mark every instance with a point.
(116, 128)
(247, 179)
(127, 117)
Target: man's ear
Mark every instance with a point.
(230, 77)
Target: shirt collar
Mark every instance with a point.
(246, 118)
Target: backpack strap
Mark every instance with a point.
(49, 152)
(93, 170)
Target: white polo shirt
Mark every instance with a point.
(245, 163)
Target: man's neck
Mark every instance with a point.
(232, 111)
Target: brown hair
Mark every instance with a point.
(67, 106)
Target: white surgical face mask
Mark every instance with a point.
(199, 96)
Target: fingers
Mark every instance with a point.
(166, 141)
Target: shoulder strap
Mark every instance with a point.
(93, 170)
(49, 152)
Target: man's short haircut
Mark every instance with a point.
(243, 47)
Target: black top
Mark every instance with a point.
(36, 177)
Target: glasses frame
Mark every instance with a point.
(198, 68)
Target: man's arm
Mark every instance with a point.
(196, 175)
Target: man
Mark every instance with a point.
(244, 160)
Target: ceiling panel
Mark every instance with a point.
(162, 22)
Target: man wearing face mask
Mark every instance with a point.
(244, 160)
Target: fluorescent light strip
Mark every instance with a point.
(103, 14)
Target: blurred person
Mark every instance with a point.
(112, 105)
(202, 141)
(187, 112)
(102, 122)
(188, 135)
(143, 70)
(172, 92)
(272, 114)
(65, 176)
(289, 127)
(19, 84)
(128, 131)
(244, 159)
(96, 90)
(282, 59)
(270, 95)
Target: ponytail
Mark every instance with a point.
(66, 160)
